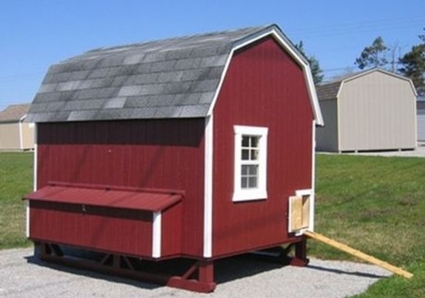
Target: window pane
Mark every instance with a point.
(244, 170)
(244, 182)
(245, 154)
(245, 141)
(249, 176)
(254, 154)
(254, 142)
(252, 182)
(253, 170)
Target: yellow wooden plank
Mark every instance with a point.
(296, 213)
(358, 254)
(306, 211)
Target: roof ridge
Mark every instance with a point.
(182, 37)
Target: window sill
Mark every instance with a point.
(249, 195)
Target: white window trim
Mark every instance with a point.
(260, 193)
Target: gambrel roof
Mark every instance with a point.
(171, 78)
(331, 90)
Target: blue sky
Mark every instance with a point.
(36, 34)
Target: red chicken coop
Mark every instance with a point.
(199, 147)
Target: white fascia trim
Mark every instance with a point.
(208, 187)
(287, 45)
(223, 75)
(156, 234)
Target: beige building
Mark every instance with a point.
(15, 134)
(370, 110)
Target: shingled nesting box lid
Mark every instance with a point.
(106, 196)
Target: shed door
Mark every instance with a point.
(421, 125)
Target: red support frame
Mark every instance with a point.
(300, 258)
(203, 282)
(198, 278)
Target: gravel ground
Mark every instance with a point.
(21, 275)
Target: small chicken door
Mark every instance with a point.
(299, 211)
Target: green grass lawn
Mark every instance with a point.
(377, 205)
(15, 181)
(374, 204)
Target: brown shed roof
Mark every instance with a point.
(328, 91)
(14, 112)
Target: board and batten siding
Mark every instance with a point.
(9, 136)
(265, 77)
(327, 135)
(376, 112)
(157, 154)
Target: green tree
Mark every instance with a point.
(316, 71)
(413, 65)
(373, 55)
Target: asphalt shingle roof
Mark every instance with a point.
(328, 91)
(14, 112)
(169, 78)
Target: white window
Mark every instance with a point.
(250, 163)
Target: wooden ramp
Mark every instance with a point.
(358, 254)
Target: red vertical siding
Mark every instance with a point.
(263, 87)
(166, 154)
(172, 235)
(131, 230)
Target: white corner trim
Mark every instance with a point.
(34, 184)
(21, 137)
(156, 234)
(313, 177)
(35, 167)
(27, 224)
(208, 186)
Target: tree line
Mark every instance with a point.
(378, 54)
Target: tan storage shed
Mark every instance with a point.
(15, 134)
(374, 110)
